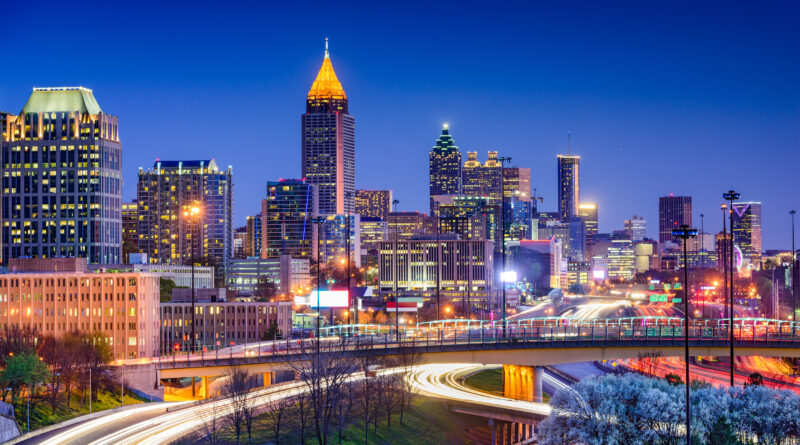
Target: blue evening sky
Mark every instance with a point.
(660, 97)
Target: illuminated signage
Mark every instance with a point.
(327, 299)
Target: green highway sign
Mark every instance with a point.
(676, 300)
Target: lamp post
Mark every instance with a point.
(191, 214)
(503, 160)
(684, 233)
(319, 221)
(731, 196)
(794, 301)
(724, 256)
(396, 273)
(349, 195)
(438, 271)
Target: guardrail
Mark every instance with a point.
(457, 338)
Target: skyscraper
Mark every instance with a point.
(373, 203)
(588, 211)
(445, 167)
(286, 225)
(130, 229)
(673, 211)
(62, 178)
(747, 232)
(517, 183)
(568, 186)
(484, 180)
(328, 158)
(166, 235)
(636, 228)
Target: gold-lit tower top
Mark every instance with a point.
(326, 86)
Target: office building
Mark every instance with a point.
(538, 262)
(558, 230)
(166, 234)
(328, 157)
(471, 217)
(747, 232)
(289, 275)
(577, 239)
(287, 219)
(621, 260)
(405, 225)
(673, 211)
(180, 274)
(568, 186)
(57, 295)
(588, 211)
(444, 167)
(222, 324)
(636, 228)
(517, 183)
(483, 180)
(130, 229)
(373, 203)
(340, 235)
(62, 178)
(462, 264)
(239, 241)
(252, 241)
(518, 219)
(373, 231)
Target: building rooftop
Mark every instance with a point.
(66, 99)
(208, 164)
(326, 85)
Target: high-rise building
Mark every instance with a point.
(577, 239)
(252, 241)
(62, 178)
(373, 203)
(517, 183)
(518, 219)
(286, 225)
(747, 232)
(568, 186)
(373, 231)
(334, 241)
(169, 190)
(636, 228)
(673, 211)
(621, 260)
(239, 241)
(130, 229)
(445, 167)
(483, 180)
(405, 225)
(588, 211)
(471, 217)
(328, 158)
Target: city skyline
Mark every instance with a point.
(754, 122)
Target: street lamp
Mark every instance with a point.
(191, 214)
(794, 301)
(319, 221)
(731, 196)
(396, 272)
(347, 196)
(684, 233)
(503, 160)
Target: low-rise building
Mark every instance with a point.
(290, 275)
(47, 295)
(181, 275)
(222, 324)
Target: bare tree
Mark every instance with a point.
(407, 361)
(213, 423)
(302, 414)
(237, 387)
(277, 409)
(649, 361)
(324, 369)
(366, 393)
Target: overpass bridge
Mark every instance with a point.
(522, 343)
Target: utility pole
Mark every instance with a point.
(503, 160)
(731, 196)
(724, 257)
(191, 214)
(685, 233)
(347, 244)
(396, 273)
(794, 297)
(319, 221)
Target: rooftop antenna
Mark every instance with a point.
(327, 55)
(569, 143)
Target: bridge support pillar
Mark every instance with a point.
(267, 379)
(522, 382)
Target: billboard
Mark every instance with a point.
(327, 299)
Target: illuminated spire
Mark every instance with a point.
(326, 86)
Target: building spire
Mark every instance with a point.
(327, 55)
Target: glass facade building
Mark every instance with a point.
(328, 140)
(484, 180)
(62, 178)
(747, 232)
(287, 213)
(170, 189)
(373, 203)
(673, 211)
(568, 186)
(445, 167)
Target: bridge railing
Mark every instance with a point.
(432, 337)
